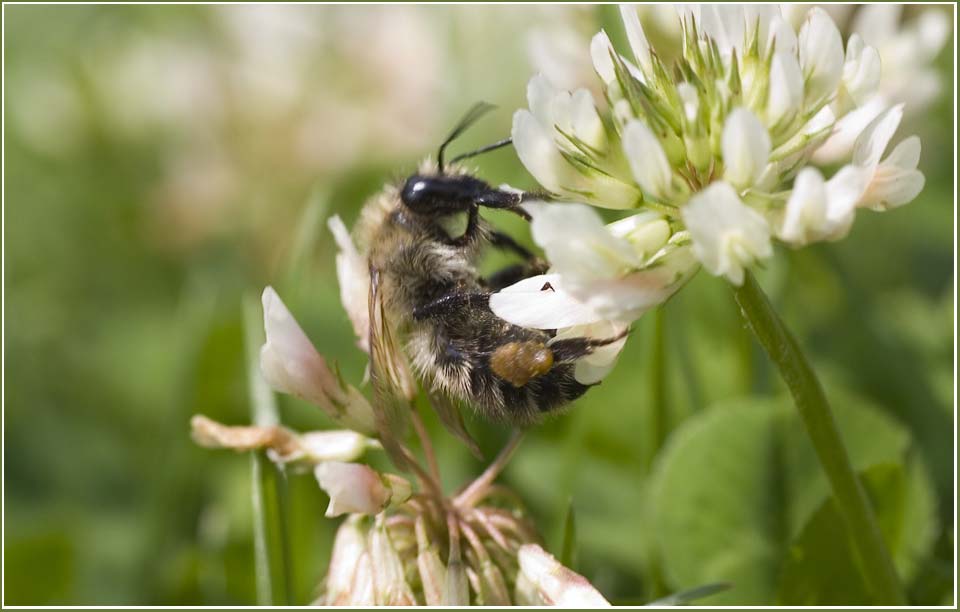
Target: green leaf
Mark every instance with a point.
(736, 483)
(821, 566)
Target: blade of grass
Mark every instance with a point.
(684, 597)
(310, 228)
(568, 547)
(271, 549)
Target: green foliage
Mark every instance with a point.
(740, 498)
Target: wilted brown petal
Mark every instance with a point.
(211, 434)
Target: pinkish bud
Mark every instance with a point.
(357, 489)
(291, 364)
(557, 585)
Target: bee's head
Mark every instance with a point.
(442, 193)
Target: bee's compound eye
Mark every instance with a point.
(519, 362)
(415, 191)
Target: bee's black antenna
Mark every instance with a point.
(490, 147)
(476, 111)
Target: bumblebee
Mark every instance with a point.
(422, 239)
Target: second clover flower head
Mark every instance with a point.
(713, 151)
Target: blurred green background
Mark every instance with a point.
(163, 162)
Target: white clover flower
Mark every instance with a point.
(870, 182)
(811, 214)
(727, 234)
(290, 364)
(716, 144)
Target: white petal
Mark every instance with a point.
(353, 275)
(647, 159)
(349, 545)
(353, 488)
(892, 187)
(288, 359)
(906, 154)
(538, 152)
(725, 25)
(600, 50)
(806, 210)
(594, 367)
(629, 297)
(342, 445)
(646, 232)
(577, 243)
(786, 88)
(558, 585)
(727, 235)
(637, 38)
(847, 186)
(870, 145)
(586, 122)
(540, 95)
(861, 70)
(290, 364)
(782, 36)
(821, 55)
(541, 303)
(839, 146)
(746, 148)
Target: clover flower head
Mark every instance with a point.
(713, 150)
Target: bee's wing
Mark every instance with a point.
(452, 419)
(389, 375)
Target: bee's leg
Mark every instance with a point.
(449, 303)
(507, 276)
(570, 349)
(507, 243)
(469, 234)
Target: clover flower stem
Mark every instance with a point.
(478, 488)
(271, 545)
(658, 384)
(810, 400)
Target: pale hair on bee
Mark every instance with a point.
(422, 240)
